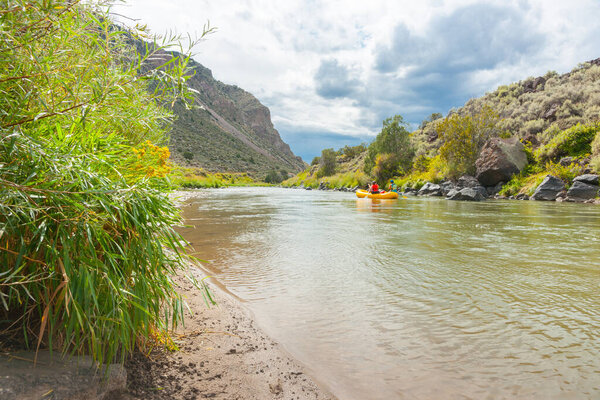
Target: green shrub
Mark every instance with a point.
(523, 183)
(273, 177)
(463, 136)
(386, 166)
(85, 218)
(595, 162)
(347, 180)
(87, 266)
(575, 141)
(421, 163)
(565, 173)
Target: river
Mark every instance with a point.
(417, 298)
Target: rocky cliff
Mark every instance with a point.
(228, 130)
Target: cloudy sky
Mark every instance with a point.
(331, 71)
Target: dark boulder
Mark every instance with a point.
(456, 191)
(430, 189)
(466, 194)
(550, 113)
(534, 85)
(323, 186)
(446, 187)
(566, 161)
(494, 190)
(590, 179)
(549, 189)
(467, 181)
(581, 191)
(499, 160)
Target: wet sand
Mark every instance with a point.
(223, 355)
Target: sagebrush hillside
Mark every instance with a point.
(534, 109)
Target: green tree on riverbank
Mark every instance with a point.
(391, 152)
(327, 163)
(85, 216)
(463, 136)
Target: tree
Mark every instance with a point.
(430, 119)
(386, 167)
(273, 177)
(393, 139)
(350, 152)
(327, 163)
(462, 138)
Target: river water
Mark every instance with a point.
(417, 298)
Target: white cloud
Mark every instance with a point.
(274, 49)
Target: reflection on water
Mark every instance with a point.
(416, 298)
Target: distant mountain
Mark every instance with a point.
(228, 130)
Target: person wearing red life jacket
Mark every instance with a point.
(374, 188)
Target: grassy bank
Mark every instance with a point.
(339, 180)
(197, 178)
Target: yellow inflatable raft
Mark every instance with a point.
(386, 195)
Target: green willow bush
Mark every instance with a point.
(87, 246)
(575, 141)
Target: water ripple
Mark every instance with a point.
(418, 297)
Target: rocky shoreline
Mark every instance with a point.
(585, 189)
(499, 161)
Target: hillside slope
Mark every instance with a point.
(228, 130)
(534, 109)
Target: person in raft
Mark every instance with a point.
(374, 187)
(392, 187)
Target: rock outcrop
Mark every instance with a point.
(584, 188)
(466, 188)
(581, 191)
(590, 179)
(499, 160)
(466, 194)
(430, 189)
(549, 189)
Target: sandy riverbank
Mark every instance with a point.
(224, 355)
